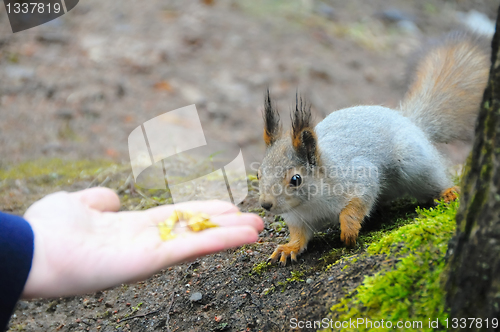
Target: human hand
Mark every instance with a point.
(82, 245)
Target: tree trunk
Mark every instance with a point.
(473, 285)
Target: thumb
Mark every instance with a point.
(101, 199)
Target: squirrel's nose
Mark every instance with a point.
(267, 205)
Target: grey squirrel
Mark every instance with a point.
(337, 171)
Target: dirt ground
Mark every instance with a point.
(76, 87)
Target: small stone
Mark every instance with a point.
(21, 305)
(18, 72)
(195, 297)
(309, 281)
(408, 26)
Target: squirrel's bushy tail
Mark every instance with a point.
(447, 88)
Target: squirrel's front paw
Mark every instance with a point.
(298, 242)
(284, 251)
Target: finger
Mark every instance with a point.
(101, 199)
(232, 220)
(207, 242)
(161, 213)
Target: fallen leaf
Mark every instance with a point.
(163, 86)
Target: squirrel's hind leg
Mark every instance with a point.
(450, 194)
(299, 237)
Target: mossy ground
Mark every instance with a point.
(54, 171)
(31, 180)
(409, 288)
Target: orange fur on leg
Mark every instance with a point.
(350, 221)
(450, 194)
(297, 244)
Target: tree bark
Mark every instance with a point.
(473, 284)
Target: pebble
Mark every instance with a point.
(195, 297)
(19, 72)
(309, 281)
(21, 305)
(408, 26)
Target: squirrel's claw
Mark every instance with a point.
(283, 252)
(274, 257)
(283, 259)
(348, 238)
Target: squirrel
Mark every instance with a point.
(358, 157)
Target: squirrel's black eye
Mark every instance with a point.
(296, 180)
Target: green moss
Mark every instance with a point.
(259, 211)
(269, 290)
(18, 327)
(105, 314)
(335, 256)
(54, 171)
(261, 267)
(136, 308)
(412, 291)
(296, 277)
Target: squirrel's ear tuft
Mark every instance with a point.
(272, 125)
(304, 138)
(306, 146)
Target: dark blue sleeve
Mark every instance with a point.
(16, 253)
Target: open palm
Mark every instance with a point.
(83, 245)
